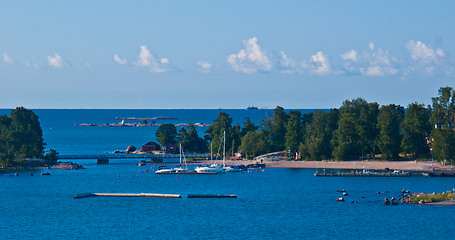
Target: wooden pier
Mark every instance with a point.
(153, 195)
(150, 195)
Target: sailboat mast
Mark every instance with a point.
(224, 148)
(180, 152)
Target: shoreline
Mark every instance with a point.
(351, 165)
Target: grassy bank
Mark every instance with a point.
(433, 197)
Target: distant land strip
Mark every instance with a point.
(136, 125)
(145, 118)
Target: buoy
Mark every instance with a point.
(242, 172)
(154, 176)
(137, 175)
(176, 176)
(263, 170)
(118, 175)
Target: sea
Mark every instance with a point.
(271, 203)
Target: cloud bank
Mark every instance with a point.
(146, 60)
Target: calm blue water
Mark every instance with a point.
(271, 204)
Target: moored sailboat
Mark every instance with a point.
(178, 170)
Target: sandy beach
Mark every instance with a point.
(373, 165)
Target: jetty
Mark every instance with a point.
(104, 158)
(441, 173)
(149, 195)
(361, 174)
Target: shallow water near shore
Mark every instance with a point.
(276, 203)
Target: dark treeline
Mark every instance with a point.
(21, 137)
(357, 130)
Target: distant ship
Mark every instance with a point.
(252, 108)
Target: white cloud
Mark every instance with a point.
(351, 55)
(423, 53)
(147, 59)
(57, 61)
(287, 64)
(204, 66)
(320, 63)
(373, 62)
(251, 59)
(371, 46)
(121, 61)
(424, 60)
(378, 71)
(7, 58)
(164, 61)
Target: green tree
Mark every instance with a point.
(253, 144)
(278, 129)
(248, 126)
(214, 133)
(357, 132)
(443, 120)
(193, 142)
(20, 136)
(182, 138)
(52, 155)
(26, 132)
(415, 130)
(319, 132)
(293, 131)
(6, 154)
(389, 121)
(166, 134)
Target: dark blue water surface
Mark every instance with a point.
(271, 203)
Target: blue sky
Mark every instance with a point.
(223, 54)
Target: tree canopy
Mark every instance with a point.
(21, 136)
(166, 134)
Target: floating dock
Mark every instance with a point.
(360, 174)
(150, 195)
(176, 172)
(205, 195)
